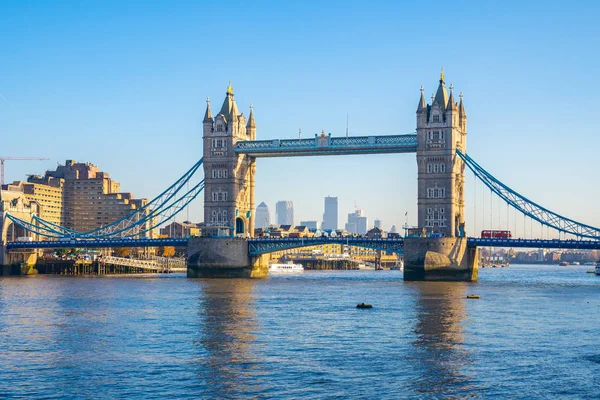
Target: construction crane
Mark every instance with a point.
(2, 159)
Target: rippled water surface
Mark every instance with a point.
(534, 333)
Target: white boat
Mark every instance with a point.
(399, 266)
(287, 267)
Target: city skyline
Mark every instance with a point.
(149, 97)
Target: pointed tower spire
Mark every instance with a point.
(251, 122)
(208, 115)
(229, 108)
(422, 104)
(451, 103)
(461, 107)
(441, 97)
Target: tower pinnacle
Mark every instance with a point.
(442, 75)
(251, 123)
(207, 115)
(422, 104)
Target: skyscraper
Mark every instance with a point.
(285, 212)
(352, 225)
(361, 225)
(377, 224)
(263, 217)
(330, 217)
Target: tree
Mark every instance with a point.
(61, 252)
(123, 251)
(168, 251)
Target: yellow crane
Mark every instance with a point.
(2, 159)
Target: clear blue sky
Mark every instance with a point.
(123, 84)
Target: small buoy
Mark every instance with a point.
(472, 296)
(363, 305)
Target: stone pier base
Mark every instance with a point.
(439, 259)
(224, 258)
(17, 263)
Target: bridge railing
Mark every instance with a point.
(321, 145)
(268, 245)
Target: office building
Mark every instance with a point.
(180, 230)
(377, 224)
(352, 224)
(330, 216)
(263, 216)
(311, 225)
(48, 197)
(90, 198)
(362, 225)
(285, 212)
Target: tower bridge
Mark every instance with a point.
(230, 150)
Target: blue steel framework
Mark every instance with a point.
(535, 243)
(528, 207)
(95, 243)
(161, 209)
(325, 145)
(171, 201)
(263, 246)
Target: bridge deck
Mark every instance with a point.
(327, 146)
(267, 245)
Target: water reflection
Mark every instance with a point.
(227, 337)
(440, 355)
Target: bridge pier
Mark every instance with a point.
(440, 259)
(224, 258)
(21, 263)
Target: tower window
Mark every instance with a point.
(435, 193)
(219, 128)
(436, 118)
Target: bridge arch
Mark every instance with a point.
(239, 225)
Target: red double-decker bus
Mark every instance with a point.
(496, 234)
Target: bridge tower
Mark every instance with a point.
(15, 203)
(229, 177)
(441, 130)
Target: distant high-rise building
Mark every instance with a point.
(377, 224)
(263, 217)
(393, 229)
(311, 225)
(330, 216)
(352, 225)
(285, 212)
(362, 225)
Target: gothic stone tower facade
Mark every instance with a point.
(441, 129)
(229, 177)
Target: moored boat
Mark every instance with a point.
(399, 266)
(563, 264)
(287, 267)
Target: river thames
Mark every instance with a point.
(534, 333)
